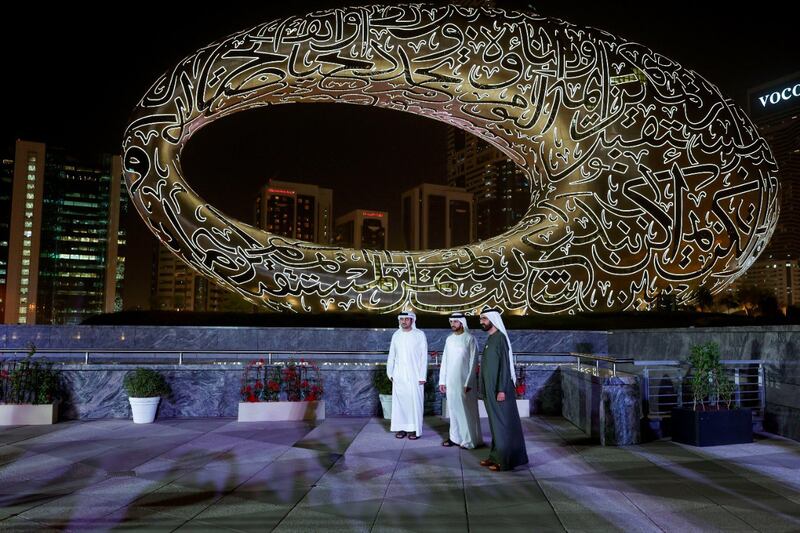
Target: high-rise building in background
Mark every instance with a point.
(363, 228)
(501, 189)
(436, 216)
(775, 109)
(177, 287)
(64, 243)
(6, 185)
(295, 210)
(25, 222)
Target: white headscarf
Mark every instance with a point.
(407, 314)
(461, 318)
(494, 317)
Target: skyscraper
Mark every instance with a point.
(436, 216)
(295, 210)
(64, 236)
(24, 230)
(363, 228)
(178, 287)
(775, 110)
(6, 185)
(500, 188)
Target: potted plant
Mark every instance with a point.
(711, 421)
(145, 387)
(288, 391)
(28, 390)
(384, 386)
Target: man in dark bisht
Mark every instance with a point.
(498, 387)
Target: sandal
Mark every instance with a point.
(448, 443)
(400, 435)
(413, 436)
(495, 468)
(487, 462)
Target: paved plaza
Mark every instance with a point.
(351, 474)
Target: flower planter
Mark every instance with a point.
(386, 405)
(523, 406)
(28, 414)
(712, 428)
(144, 409)
(281, 411)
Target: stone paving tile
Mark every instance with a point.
(91, 503)
(177, 500)
(533, 516)
(21, 525)
(245, 512)
(334, 507)
(399, 515)
(353, 475)
(711, 518)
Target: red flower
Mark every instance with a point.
(252, 398)
(311, 397)
(521, 389)
(274, 386)
(259, 385)
(304, 384)
(248, 389)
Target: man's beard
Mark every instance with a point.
(486, 327)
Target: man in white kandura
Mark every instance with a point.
(407, 367)
(457, 379)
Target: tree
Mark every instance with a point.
(728, 301)
(705, 300)
(749, 297)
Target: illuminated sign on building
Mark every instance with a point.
(782, 95)
(281, 191)
(775, 98)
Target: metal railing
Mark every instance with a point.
(598, 361)
(665, 384)
(182, 357)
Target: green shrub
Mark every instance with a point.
(29, 381)
(708, 379)
(145, 383)
(382, 382)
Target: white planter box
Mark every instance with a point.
(279, 411)
(144, 409)
(523, 406)
(28, 414)
(386, 405)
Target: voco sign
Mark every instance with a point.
(781, 95)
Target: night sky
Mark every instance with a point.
(72, 75)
